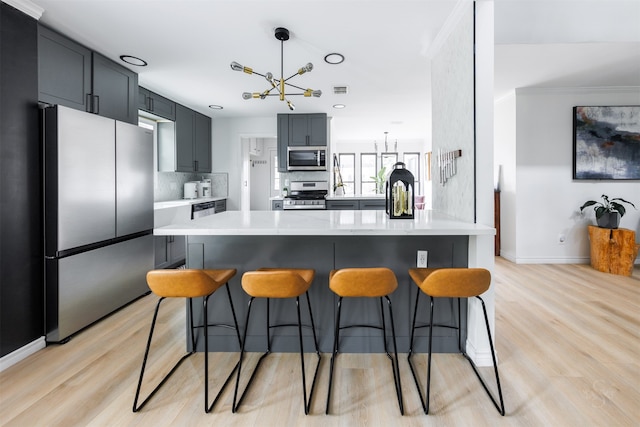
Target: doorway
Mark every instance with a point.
(262, 181)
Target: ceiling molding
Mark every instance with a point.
(25, 6)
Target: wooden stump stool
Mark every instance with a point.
(613, 250)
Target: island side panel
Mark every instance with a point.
(324, 253)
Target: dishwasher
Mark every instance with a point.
(199, 210)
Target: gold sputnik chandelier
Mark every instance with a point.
(281, 34)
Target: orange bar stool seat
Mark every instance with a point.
(190, 284)
(278, 283)
(451, 283)
(377, 282)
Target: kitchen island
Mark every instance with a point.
(326, 240)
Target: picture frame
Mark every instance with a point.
(606, 142)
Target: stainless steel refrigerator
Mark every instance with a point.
(98, 181)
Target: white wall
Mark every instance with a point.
(548, 199)
(505, 171)
(227, 149)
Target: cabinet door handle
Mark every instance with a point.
(96, 104)
(150, 104)
(89, 103)
(195, 165)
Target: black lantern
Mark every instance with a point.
(399, 193)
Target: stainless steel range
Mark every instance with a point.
(306, 195)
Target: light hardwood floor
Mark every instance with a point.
(568, 340)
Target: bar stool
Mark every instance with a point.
(278, 283)
(451, 283)
(188, 284)
(365, 282)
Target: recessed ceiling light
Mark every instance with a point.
(215, 107)
(339, 106)
(334, 58)
(132, 60)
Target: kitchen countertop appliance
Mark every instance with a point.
(306, 195)
(191, 190)
(98, 201)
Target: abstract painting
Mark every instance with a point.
(606, 142)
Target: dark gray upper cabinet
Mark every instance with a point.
(308, 129)
(185, 145)
(283, 141)
(202, 143)
(156, 104)
(64, 71)
(114, 90)
(71, 75)
(185, 135)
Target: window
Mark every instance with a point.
(347, 162)
(412, 163)
(388, 160)
(368, 172)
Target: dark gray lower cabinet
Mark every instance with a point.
(170, 251)
(343, 205)
(372, 204)
(220, 206)
(356, 204)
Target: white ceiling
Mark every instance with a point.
(189, 45)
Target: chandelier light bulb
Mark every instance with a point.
(291, 106)
(306, 69)
(247, 95)
(236, 67)
(316, 93)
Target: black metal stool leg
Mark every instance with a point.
(428, 393)
(205, 331)
(499, 407)
(394, 362)
(336, 337)
(230, 376)
(413, 370)
(307, 401)
(137, 407)
(234, 407)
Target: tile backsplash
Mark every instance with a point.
(170, 185)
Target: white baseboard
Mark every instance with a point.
(480, 358)
(576, 260)
(21, 353)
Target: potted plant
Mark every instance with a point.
(380, 179)
(608, 212)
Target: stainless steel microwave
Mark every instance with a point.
(307, 158)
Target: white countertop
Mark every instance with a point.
(323, 222)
